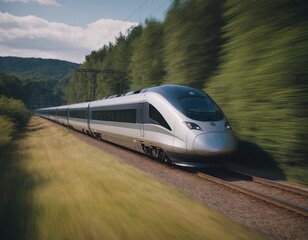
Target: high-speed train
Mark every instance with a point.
(174, 123)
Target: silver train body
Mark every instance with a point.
(174, 123)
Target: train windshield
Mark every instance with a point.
(201, 109)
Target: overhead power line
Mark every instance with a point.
(129, 18)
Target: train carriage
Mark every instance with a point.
(174, 123)
(78, 116)
(62, 115)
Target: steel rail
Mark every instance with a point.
(284, 204)
(275, 184)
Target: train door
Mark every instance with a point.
(88, 115)
(142, 116)
(56, 115)
(67, 116)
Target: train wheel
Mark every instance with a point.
(164, 157)
(167, 160)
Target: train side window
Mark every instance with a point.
(62, 113)
(155, 115)
(125, 115)
(78, 114)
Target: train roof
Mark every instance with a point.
(171, 92)
(79, 105)
(175, 91)
(63, 107)
(168, 91)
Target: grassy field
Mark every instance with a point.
(54, 186)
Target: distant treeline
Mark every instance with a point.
(250, 56)
(38, 82)
(37, 69)
(35, 94)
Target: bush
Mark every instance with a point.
(13, 115)
(15, 110)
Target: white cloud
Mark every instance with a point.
(31, 36)
(41, 2)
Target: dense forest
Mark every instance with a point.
(37, 82)
(250, 56)
(37, 69)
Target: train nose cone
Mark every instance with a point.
(214, 143)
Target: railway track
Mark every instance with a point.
(288, 197)
(239, 181)
(285, 196)
(275, 222)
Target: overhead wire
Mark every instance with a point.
(129, 18)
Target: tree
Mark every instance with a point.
(10, 86)
(146, 65)
(117, 59)
(262, 83)
(15, 110)
(78, 89)
(191, 41)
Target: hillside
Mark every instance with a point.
(38, 82)
(37, 68)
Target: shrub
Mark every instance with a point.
(15, 110)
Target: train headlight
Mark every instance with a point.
(194, 126)
(227, 125)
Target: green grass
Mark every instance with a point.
(297, 174)
(54, 186)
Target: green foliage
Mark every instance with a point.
(10, 86)
(117, 59)
(112, 61)
(13, 115)
(262, 83)
(191, 41)
(15, 110)
(7, 129)
(40, 82)
(37, 68)
(35, 94)
(38, 94)
(79, 88)
(146, 65)
(251, 56)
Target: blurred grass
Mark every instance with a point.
(54, 186)
(7, 128)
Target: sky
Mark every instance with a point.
(69, 29)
